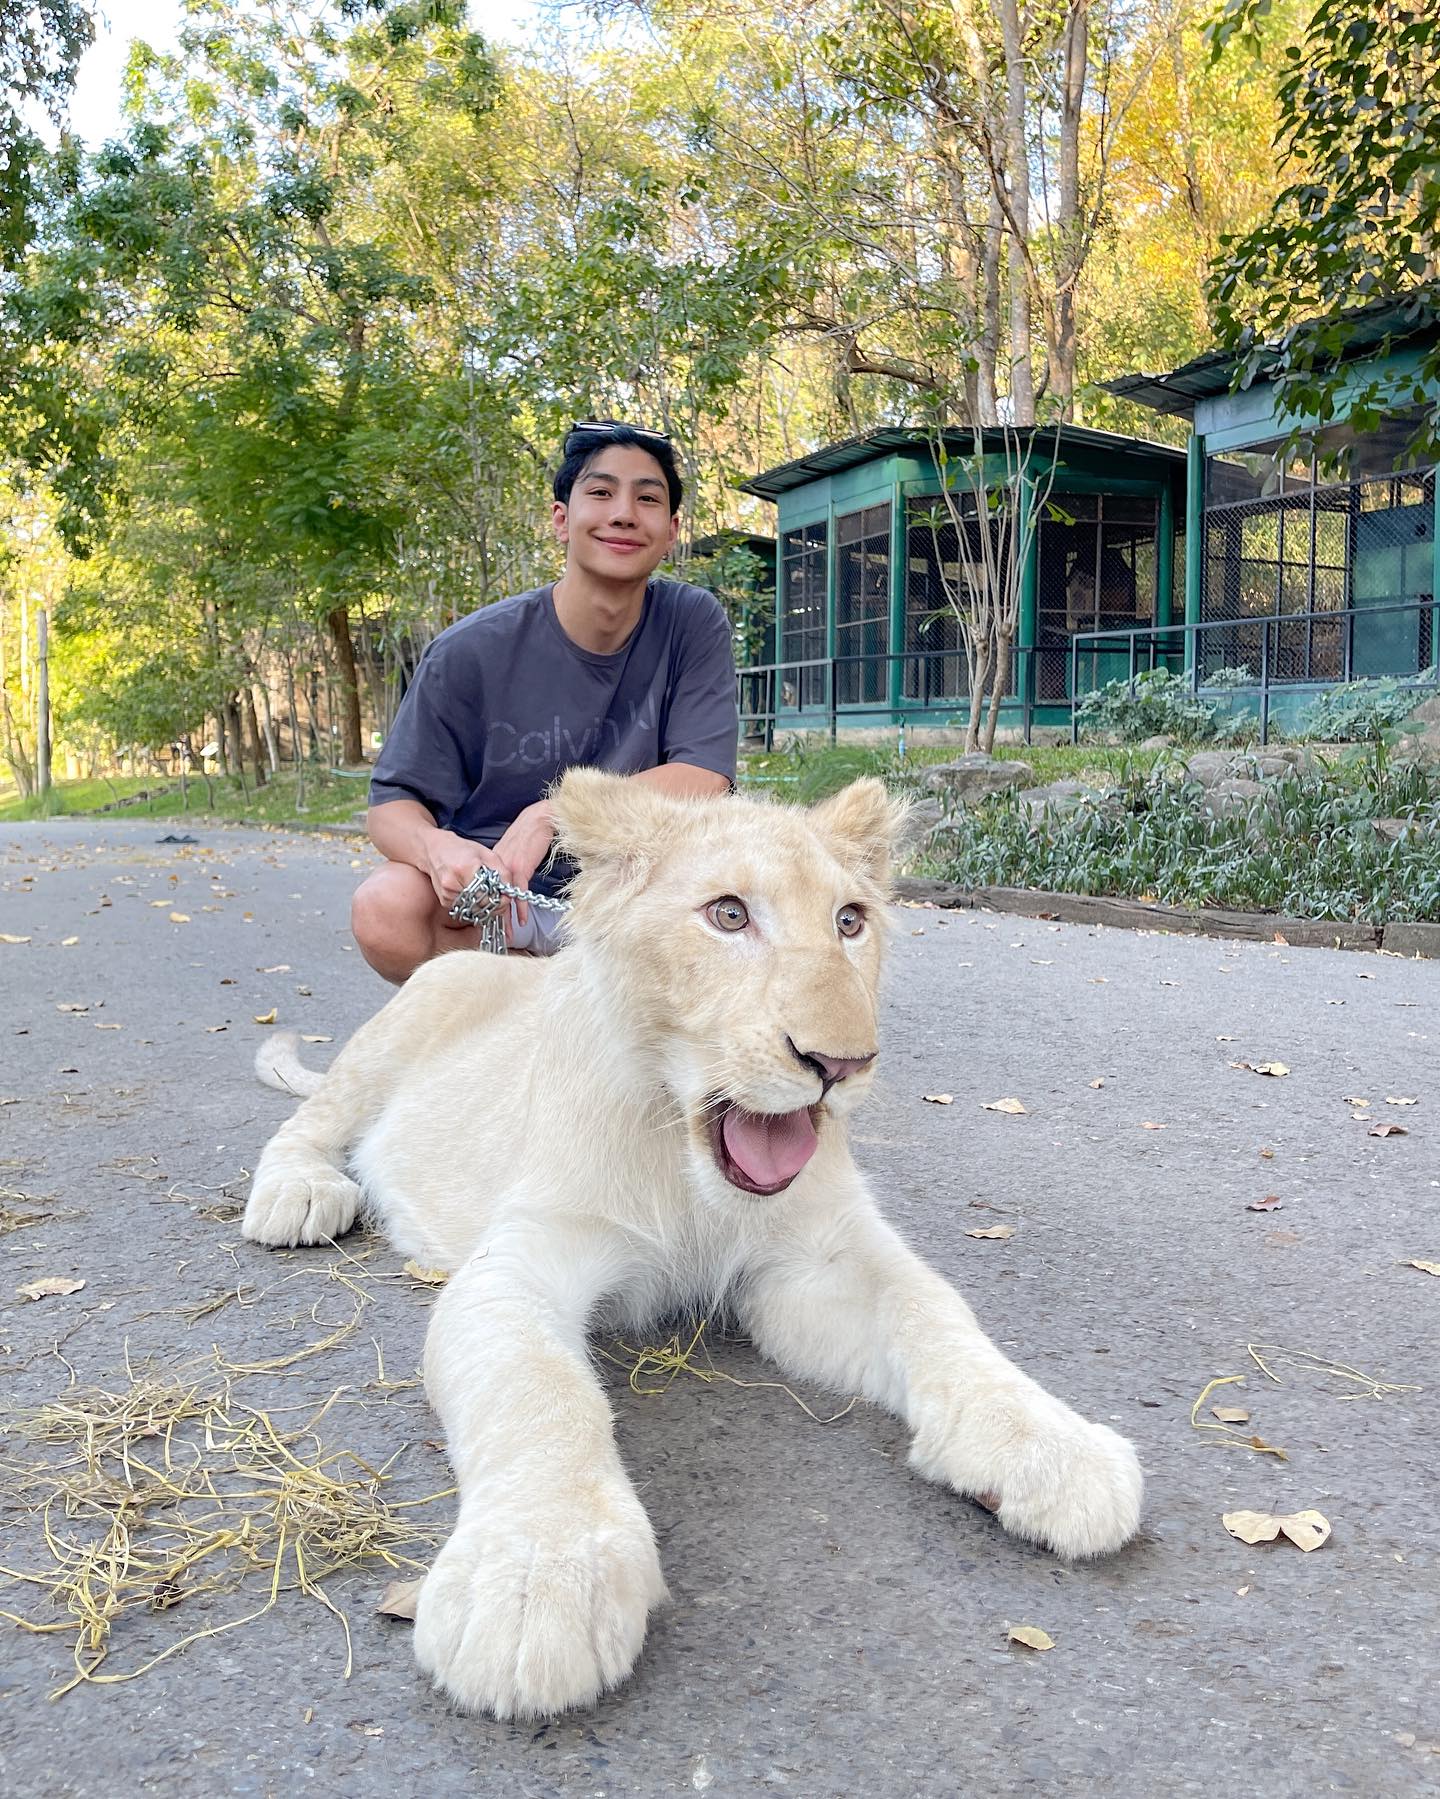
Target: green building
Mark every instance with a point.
(1313, 566)
(866, 549)
(1274, 573)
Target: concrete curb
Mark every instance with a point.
(1409, 940)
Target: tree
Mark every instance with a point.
(1359, 218)
(41, 43)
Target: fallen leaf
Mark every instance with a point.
(1148, 1124)
(211, 1029)
(317, 1039)
(1272, 1068)
(1240, 1592)
(1030, 1636)
(70, 1006)
(1097, 1083)
(1231, 1414)
(398, 1599)
(108, 1027)
(1354, 1099)
(5, 937)
(1306, 1530)
(160, 902)
(1010, 1106)
(275, 967)
(1280, 937)
(938, 1099)
(65, 942)
(51, 1284)
(1392, 1099)
(994, 1230)
(1387, 1130)
(1270, 1203)
(1224, 1039)
(1425, 1267)
(1267, 1155)
(179, 918)
(266, 1017)
(431, 1277)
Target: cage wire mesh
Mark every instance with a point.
(1097, 570)
(1340, 532)
(862, 606)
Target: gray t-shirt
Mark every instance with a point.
(503, 702)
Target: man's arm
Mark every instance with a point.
(406, 831)
(527, 843)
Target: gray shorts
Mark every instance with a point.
(542, 933)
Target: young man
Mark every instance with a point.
(606, 666)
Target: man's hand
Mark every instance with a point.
(450, 861)
(524, 847)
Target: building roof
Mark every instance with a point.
(889, 439)
(1205, 377)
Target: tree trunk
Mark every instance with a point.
(979, 681)
(1069, 251)
(222, 748)
(338, 623)
(257, 749)
(1017, 175)
(1004, 647)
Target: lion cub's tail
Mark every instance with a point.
(278, 1064)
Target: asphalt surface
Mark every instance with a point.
(837, 1626)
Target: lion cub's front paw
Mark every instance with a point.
(526, 1616)
(293, 1204)
(1073, 1486)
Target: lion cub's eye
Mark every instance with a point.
(850, 920)
(728, 914)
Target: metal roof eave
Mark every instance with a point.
(850, 452)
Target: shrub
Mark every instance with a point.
(1359, 712)
(1306, 848)
(1156, 703)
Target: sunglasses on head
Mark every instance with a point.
(604, 425)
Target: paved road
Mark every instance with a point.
(838, 1626)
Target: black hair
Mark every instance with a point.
(585, 443)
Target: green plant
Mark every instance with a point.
(1156, 702)
(1307, 847)
(1359, 712)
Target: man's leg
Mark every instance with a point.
(399, 923)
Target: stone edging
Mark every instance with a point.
(1147, 915)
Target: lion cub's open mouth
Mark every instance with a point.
(761, 1152)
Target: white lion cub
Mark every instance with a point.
(653, 1119)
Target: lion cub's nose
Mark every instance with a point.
(829, 1068)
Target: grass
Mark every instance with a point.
(329, 799)
(807, 773)
(1306, 848)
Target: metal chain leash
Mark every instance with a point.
(483, 899)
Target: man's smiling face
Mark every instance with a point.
(618, 525)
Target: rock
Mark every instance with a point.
(1426, 715)
(1232, 798)
(1059, 798)
(1210, 767)
(970, 779)
(1392, 829)
(1420, 746)
(1162, 742)
(922, 820)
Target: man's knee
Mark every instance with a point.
(396, 902)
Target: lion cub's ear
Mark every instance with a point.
(864, 823)
(607, 819)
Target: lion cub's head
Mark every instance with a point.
(739, 942)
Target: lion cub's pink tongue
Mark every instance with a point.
(770, 1148)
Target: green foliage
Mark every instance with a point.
(1307, 848)
(41, 43)
(1359, 101)
(1359, 712)
(1157, 703)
